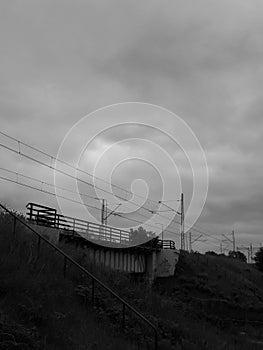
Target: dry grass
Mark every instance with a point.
(35, 297)
(211, 302)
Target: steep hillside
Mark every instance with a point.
(216, 300)
(39, 309)
(211, 303)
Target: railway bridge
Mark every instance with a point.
(105, 245)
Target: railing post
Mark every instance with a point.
(38, 246)
(30, 211)
(65, 267)
(123, 316)
(14, 227)
(93, 292)
(57, 220)
(155, 340)
(74, 225)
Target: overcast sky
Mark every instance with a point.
(202, 60)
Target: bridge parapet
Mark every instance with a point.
(110, 236)
(46, 216)
(105, 245)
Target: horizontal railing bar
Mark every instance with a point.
(30, 205)
(95, 230)
(38, 212)
(85, 228)
(92, 228)
(45, 216)
(71, 218)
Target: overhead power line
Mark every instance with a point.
(74, 201)
(47, 192)
(122, 215)
(75, 168)
(47, 183)
(50, 166)
(86, 205)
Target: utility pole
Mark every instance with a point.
(105, 213)
(102, 211)
(158, 223)
(252, 250)
(233, 241)
(186, 242)
(190, 241)
(248, 252)
(110, 213)
(182, 218)
(182, 222)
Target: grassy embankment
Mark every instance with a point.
(211, 302)
(39, 309)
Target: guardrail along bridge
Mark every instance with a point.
(106, 245)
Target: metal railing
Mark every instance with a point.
(47, 216)
(94, 279)
(166, 244)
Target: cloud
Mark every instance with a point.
(202, 60)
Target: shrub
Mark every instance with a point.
(259, 259)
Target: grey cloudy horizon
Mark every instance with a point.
(61, 60)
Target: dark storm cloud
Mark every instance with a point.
(249, 209)
(202, 60)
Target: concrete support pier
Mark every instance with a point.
(151, 261)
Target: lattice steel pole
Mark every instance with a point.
(182, 222)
